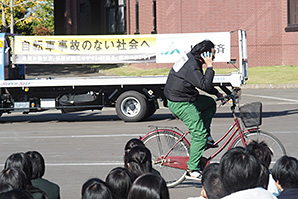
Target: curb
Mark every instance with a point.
(256, 86)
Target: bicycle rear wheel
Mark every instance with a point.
(273, 143)
(159, 142)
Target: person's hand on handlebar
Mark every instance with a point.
(220, 95)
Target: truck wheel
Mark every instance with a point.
(131, 106)
(151, 108)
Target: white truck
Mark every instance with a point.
(135, 98)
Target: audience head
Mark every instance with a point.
(119, 182)
(5, 187)
(14, 177)
(212, 187)
(131, 144)
(21, 161)
(138, 162)
(285, 172)
(95, 188)
(261, 151)
(239, 170)
(17, 194)
(264, 177)
(149, 186)
(38, 164)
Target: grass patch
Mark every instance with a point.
(273, 75)
(256, 75)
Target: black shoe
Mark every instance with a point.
(211, 143)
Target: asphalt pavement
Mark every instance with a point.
(81, 145)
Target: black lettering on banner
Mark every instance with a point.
(62, 45)
(97, 45)
(50, 45)
(144, 42)
(25, 46)
(106, 45)
(37, 45)
(133, 44)
(74, 45)
(220, 48)
(87, 45)
(121, 45)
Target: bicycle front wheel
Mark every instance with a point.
(171, 168)
(273, 143)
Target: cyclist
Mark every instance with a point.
(185, 101)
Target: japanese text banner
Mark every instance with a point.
(85, 49)
(170, 47)
(160, 48)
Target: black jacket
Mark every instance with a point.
(289, 193)
(185, 76)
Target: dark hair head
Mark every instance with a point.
(201, 47)
(239, 170)
(131, 144)
(212, 182)
(138, 162)
(119, 182)
(264, 177)
(5, 187)
(95, 188)
(149, 186)
(261, 151)
(13, 176)
(38, 164)
(21, 161)
(285, 171)
(17, 194)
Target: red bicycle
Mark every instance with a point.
(170, 147)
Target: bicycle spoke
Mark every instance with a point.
(273, 143)
(160, 143)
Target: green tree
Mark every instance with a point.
(17, 15)
(44, 18)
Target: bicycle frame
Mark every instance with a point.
(234, 128)
(180, 162)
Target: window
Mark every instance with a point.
(292, 16)
(116, 16)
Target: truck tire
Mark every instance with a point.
(131, 106)
(151, 108)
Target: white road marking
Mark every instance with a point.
(72, 136)
(83, 164)
(270, 97)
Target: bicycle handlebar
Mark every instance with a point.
(230, 96)
(225, 99)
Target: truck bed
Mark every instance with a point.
(233, 79)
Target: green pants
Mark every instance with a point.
(197, 117)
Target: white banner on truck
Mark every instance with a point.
(170, 47)
(96, 49)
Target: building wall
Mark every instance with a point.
(289, 41)
(265, 22)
